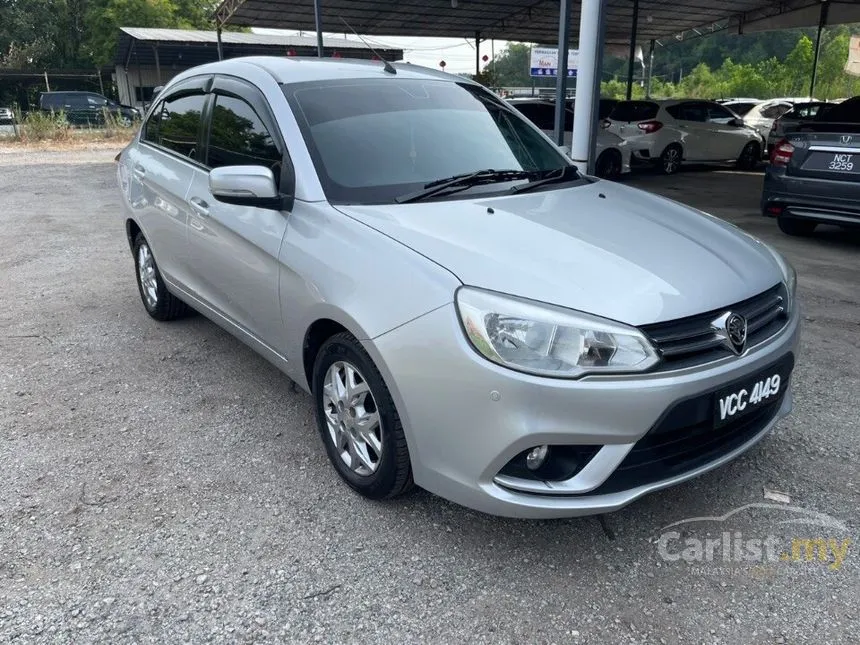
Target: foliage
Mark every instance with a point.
(763, 65)
(38, 34)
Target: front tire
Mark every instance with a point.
(358, 421)
(158, 301)
(795, 227)
(670, 160)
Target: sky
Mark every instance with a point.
(458, 53)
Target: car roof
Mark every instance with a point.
(298, 69)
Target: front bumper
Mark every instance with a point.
(466, 418)
(811, 198)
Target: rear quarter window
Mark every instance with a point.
(634, 111)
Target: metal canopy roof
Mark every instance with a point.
(188, 47)
(533, 20)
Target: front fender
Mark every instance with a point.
(334, 267)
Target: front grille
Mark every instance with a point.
(685, 439)
(691, 341)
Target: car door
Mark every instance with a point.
(727, 139)
(692, 117)
(233, 250)
(161, 168)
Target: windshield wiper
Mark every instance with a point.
(558, 176)
(462, 182)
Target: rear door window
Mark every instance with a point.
(719, 114)
(697, 112)
(179, 124)
(150, 128)
(634, 111)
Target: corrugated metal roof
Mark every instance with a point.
(236, 38)
(529, 20)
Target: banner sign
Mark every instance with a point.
(853, 64)
(544, 62)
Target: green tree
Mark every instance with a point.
(510, 67)
(105, 17)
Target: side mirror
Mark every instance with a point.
(737, 123)
(246, 186)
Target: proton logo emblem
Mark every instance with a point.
(847, 138)
(736, 327)
(732, 329)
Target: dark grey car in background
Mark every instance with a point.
(814, 175)
(87, 108)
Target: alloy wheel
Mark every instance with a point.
(671, 160)
(147, 275)
(352, 418)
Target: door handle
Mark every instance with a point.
(199, 206)
(138, 171)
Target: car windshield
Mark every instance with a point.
(374, 140)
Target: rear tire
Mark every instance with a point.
(608, 165)
(358, 421)
(670, 160)
(796, 227)
(750, 156)
(157, 300)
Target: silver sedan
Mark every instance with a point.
(469, 312)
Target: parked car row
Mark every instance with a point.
(7, 116)
(669, 133)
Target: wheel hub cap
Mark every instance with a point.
(352, 418)
(146, 275)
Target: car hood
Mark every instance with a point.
(602, 248)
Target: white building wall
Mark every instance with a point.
(128, 81)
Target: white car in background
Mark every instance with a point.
(612, 154)
(671, 132)
(762, 116)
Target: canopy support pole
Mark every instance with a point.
(650, 68)
(220, 45)
(158, 64)
(591, 36)
(318, 19)
(822, 22)
(561, 78)
(630, 64)
(477, 53)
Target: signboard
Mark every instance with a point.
(853, 65)
(544, 62)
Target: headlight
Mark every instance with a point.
(549, 341)
(789, 275)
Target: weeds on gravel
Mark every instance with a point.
(52, 129)
(39, 126)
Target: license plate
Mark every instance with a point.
(749, 395)
(834, 162)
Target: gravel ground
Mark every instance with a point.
(162, 483)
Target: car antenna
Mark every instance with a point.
(388, 67)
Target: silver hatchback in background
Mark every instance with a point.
(469, 312)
